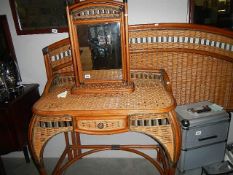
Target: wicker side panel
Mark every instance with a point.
(157, 126)
(194, 77)
(58, 58)
(46, 127)
(65, 69)
(60, 55)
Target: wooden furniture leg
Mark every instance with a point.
(166, 136)
(41, 130)
(26, 155)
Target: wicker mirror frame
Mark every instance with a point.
(92, 12)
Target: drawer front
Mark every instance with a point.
(196, 158)
(102, 125)
(208, 134)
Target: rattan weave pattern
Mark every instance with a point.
(163, 133)
(110, 74)
(64, 70)
(193, 77)
(60, 55)
(199, 63)
(96, 13)
(148, 94)
(43, 134)
(62, 81)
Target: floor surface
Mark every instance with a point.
(90, 166)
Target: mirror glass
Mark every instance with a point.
(100, 49)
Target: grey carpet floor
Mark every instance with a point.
(90, 166)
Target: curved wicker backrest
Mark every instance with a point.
(198, 59)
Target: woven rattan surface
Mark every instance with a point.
(96, 13)
(194, 77)
(42, 132)
(148, 95)
(198, 61)
(110, 74)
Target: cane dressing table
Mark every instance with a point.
(102, 98)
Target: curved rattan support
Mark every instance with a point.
(37, 159)
(166, 132)
(58, 170)
(43, 128)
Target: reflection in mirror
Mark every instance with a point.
(100, 47)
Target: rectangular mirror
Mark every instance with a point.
(100, 50)
(99, 43)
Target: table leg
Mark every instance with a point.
(164, 133)
(43, 128)
(26, 155)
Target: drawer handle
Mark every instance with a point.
(207, 138)
(100, 125)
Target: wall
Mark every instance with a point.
(29, 55)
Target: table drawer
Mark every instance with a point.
(99, 125)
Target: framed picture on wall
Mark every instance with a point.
(40, 16)
(218, 13)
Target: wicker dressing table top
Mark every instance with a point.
(148, 95)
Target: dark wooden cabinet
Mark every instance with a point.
(15, 116)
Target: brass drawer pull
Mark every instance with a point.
(100, 125)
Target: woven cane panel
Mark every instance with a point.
(162, 133)
(61, 61)
(69, 80)
(115, 87)
(110, 74)
(146, 75)
(65, 69)
(181, 70)
(96, 12)
(148, 94)
(194, 77)
(63, 81)
(149, 120)
(46, 127)
(60, 55)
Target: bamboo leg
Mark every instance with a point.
(70, 156)
(97, 148)
(78, 143)
(39, 134)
